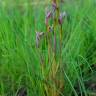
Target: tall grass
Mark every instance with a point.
(22, 65)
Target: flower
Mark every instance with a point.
(62, 15)
(51, 29)
(38, 37)
(54, 6)
(48, 16)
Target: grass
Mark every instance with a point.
(24, 65)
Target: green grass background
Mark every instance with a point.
(20, 60)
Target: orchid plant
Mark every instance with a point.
(57, 17)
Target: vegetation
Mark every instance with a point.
(48, 49)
